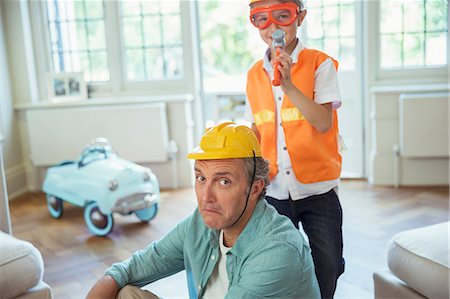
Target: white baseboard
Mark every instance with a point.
(16, 181)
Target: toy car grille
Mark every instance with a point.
(134, 202)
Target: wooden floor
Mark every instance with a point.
(74, 259)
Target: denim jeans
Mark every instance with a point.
(321, 218)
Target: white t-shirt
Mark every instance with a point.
(326, 90)
(217, 286)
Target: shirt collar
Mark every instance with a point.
(248, 233)
(266, 61)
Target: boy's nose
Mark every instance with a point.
(272, 27)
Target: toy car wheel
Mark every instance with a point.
(55, 206)
(98, 223)
(147, 214)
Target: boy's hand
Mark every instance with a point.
(285, 62)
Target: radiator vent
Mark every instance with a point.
(424, 125)
(137, 132)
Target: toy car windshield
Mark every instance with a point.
(97, 150)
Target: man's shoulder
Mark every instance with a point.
(275, 228)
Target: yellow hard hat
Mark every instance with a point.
(226, 141)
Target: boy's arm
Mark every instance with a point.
(255, 130)
(105, 288)
(320, 116)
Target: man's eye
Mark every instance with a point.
(199, 178)
(224, 182)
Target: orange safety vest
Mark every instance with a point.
(314, 155)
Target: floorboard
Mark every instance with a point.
(74, 259)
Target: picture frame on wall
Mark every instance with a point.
(67, 87)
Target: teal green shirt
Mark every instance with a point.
(269, 259)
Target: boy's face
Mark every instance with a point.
(290, 30)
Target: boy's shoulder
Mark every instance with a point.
(258, 64)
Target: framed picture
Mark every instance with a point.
(67, 87)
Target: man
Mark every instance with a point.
(234, 245)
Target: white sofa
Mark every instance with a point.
(418, 262)
(21, 270)
(21, 264)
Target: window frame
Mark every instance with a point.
(118, 85)
(399, 75)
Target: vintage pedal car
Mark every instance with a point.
(102, 183)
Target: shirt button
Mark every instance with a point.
(281, 124)
(213, 257)
(285, 148)
(279, 98)
(199, 287)
(287, 172)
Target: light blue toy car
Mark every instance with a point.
(102, 183)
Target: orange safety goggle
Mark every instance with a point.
(282, 14)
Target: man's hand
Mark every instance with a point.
(105, 288)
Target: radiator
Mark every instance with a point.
(424, 125)
(137, 132)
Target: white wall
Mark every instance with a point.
(387, 165)
(13, 162)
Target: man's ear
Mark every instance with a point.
(301, 17)
(257, 187)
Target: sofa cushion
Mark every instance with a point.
(21, 266)
(420, 257)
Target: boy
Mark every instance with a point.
(297, 126)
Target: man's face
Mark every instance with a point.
(221, 189)
(290, 30)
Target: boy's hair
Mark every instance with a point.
(298, 2)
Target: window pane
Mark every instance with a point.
(330, 20)
(347, 55)
(77, 38)
(152, 32)
(314, 29)
(413, 50)
(135, 65)
(347, 20)
(391, 18)
(391, 48)
(413, 16)
(436, 46)
(437, 15)
(419, 30)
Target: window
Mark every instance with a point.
(83, 38)
(330, 27)
(152, 38)
(77, 38)
(413, 33)
(229, 44)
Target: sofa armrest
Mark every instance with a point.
(388, 286)
(21, 266)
